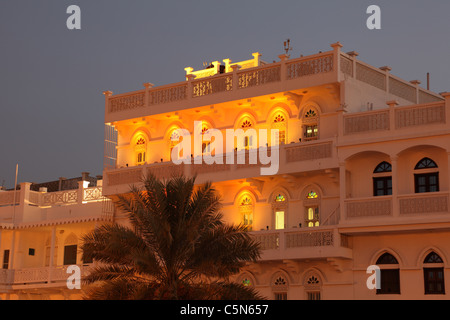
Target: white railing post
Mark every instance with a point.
(235, 85)
(107, 94)
(52, 254)
(392, 104)
(283, 73)
(147, 86)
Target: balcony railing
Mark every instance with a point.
(201, 85)
(401, 117)
(301, 243)
(35, 276)
(288, 154)
(410, 205)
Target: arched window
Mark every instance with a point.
(249, 138)
(246, 211)
(390, 274)
(311, 124)
(279, 123)
(206, 145)
(174, 140)
(313, 285)
(425, 163)
(433, 274)
(246, 279)
(140, 149)
(382, 180)
(312, 216)
(383, 167)
(279, 206)
(70, 249)
(280, 286)
(427, 181)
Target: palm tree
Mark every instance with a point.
(177, 247)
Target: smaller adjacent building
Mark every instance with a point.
(40, 228)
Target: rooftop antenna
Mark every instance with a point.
(428, 81)
(287, 47)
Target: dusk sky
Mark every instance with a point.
(52, 78)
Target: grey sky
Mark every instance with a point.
(51, 78)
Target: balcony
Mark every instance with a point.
(293, 158)
(408, 210)
(305, 243)
(402, 121)
(38, 277)
(34, 208)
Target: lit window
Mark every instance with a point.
(174, 141)
(140, 151)
(246, 210)
(280, 198)
(312, 195)
(311, 131)
(312, 217)
(246, 283)
(279, 220)
(311, 124)
(310, 114)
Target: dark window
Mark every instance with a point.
(382, 186)
(281, 296)
(427, 182)
(390, 278)
(433, 277)
(383, 167)
(433, 257)
(434, 280)
(425, 163)
(70, 254)
(390, 281)
(314, 295)
(387, 258)
(5, 259)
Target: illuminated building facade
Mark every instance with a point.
(363, 169)
(363, 179)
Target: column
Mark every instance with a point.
(337, 59)
(448, 175)
(395, 202)
(342, 190)
(52, 254)
(13, 249)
